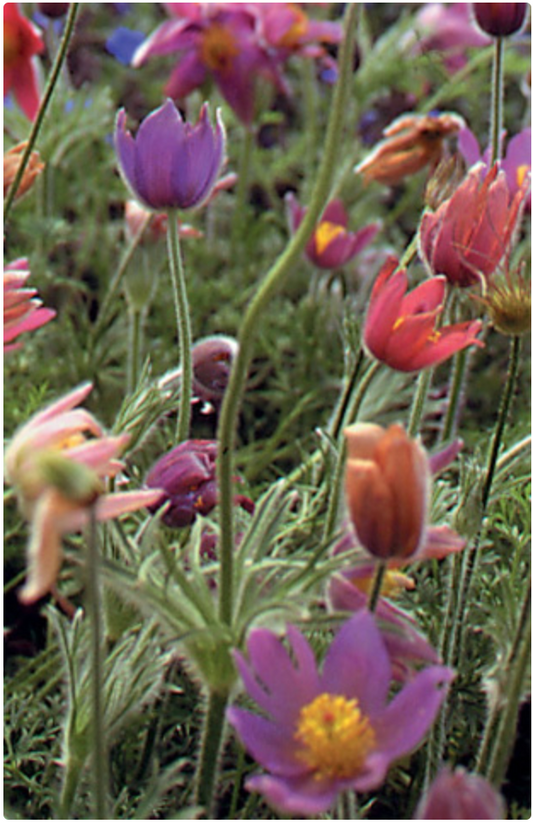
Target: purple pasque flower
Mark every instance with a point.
(187, 474)
(217, 41)
(460, 796)
(170, 164)
(288, 30)
(516, 162)
(331, 731)
(331, 245)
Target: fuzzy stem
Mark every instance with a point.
(353, 408)
(497, 101)
(47, 96)
(243, 177)
(135, 329)
(211, 743)
(376, 585)
(349, 386)
(94, 612)
(183, 322)
(487, 744)
(458, 377)
(419, 401)
(272, 281)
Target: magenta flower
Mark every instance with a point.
(22, 309)
(448, 28)
(187, 477)
(401, 327)
(470, 233)
(460, 796)
(288, 30)
(331, 731)
(212, 40)
(170, 164)
(331, 244)
(22, 41)
(212, 359)
(58, 473)
(500, 19)
(516, 162)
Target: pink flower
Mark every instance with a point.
(448, 28)
(328, 732)
(516, 162)
(22, 41)
(401, 328)
(331, 244)
(469, 234)
(58, 462)
(460, 796)
(22, 310)
(212, 40)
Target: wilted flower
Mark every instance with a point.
(460, 796)
(12, 160)
(186, 478)
(469, 234)
(22, 310)
(331, 244)
(331, 731)
(401, 327)
(516, 162)
(58, 462)
(411, 143)
(22, 41)
(170, 164)
(212, 40)
(448, 28)
(508, 300)
(500, 19)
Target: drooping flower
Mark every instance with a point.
(22, 41)
(212, 40)
(212, 360)
(331, 731)
(12, 159)
(516, 162)
(460, 796)
(57, 463)
(387, 484)
(500, 19)
(447, 28)
(401, 327)
(186, 479)
(170, 164)
(410, 143)
(331, 245)
(23, 311)
(157, 227)
(469, 234)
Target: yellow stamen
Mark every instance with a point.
(392, 585)
(325, 234)
(521, 173)
(218, 48)
(335, 737)
(291, 38)
(397, 323)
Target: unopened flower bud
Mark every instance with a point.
(53, 10)
(387, 485)
(500, 19)
(446, 178)
(212, 359)
(460, 796)
(76, 482)
(12, 160)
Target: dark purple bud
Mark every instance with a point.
(500, 19)
(212, 359)
(53, 10)
(460, 796)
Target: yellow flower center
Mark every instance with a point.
(521, 173)
(335, 736)
(291, 38)
(218, 48)
(325, 234)
(392, 585)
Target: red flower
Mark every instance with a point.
(400, 329)
(21, 42)
(469, 234)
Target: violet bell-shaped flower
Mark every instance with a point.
(333, 731)
(460, 796)
(170, 164)
(331, 245)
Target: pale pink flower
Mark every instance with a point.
(23, 311)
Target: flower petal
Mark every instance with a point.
(271, 745)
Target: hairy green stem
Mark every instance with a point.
(497, 101)
(135, 329)
(47, 96)
(210, 747)
(243, 177)
(94, 613)
(272, 281)
(342, 406)
(419, 401)
(183, 322)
